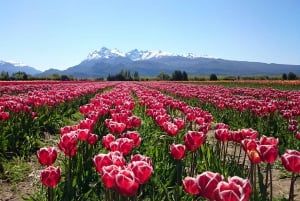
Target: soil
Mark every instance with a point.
(17, 191)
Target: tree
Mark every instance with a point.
(291, 76)
(4, 75)
(19, 76)
(284, 76)
(177, 75)
(163, 76)
(184, 76)
(136, 76)
(213, 77)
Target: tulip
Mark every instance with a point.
(268, 153)
(170, 128)
(179, 122)
(139, 157)
(68, 144)
(193, 140)
(135, 136)
(108, 175)
(222, 134)
(124, 145)
(207, 183)
(134, 121)
(126, 183)
(228, 191)
(107, 139)
(142, 171)
(117, 158)
(178, 151)
(92, 139)
(83, 134)
(190, 186)
(50, 177)
(244, 184)
(291, 161)
(47, 156)
(102, 160)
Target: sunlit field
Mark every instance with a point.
(182, 141)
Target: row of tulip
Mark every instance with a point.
(187, 152)
(116, 174)
(265, 149)
(270, 111)
(26, 117)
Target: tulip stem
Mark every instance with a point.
(293, 179)
(50, 194)
(271, 183)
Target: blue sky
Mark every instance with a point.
(61, 33)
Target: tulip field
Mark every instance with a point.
(119, 141)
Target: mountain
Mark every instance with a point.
(13, 67)
(101, 63)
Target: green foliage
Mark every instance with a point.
(179, 76)
(284, 76)
(124, 75)
(291, 76)
(163, 76)
(213, 77)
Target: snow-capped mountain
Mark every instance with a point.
(13, 67)
(134, 55)
(105, 53)
(104, 62)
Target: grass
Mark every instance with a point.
(16, 170)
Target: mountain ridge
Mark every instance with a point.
(105, 61)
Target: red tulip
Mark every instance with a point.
(236, 136)
(134, 121)
(50, 177)
(126, 183)
(291, 160)
(124, 145)
(178, 151)
(135, 136)
(244, 183)
(4, 116)
(199, 120)
(83, 134)
(222, 134)
(142, 171)
(139, 157)
(297, 135)
(221, 126)
(47, 156)
(107, 139)
(229, 192)
(264, 140)
(170, 128)
(190, 186)
(193, 140)
(117, 158)
(207, 183)
(68, 143)
(92, 138)
(102, 160)
(109, 174)
(268, 153)
(179, 122)
(86, 124)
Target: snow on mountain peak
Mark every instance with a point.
(105, 53)
(18, 64)
(135, 54)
